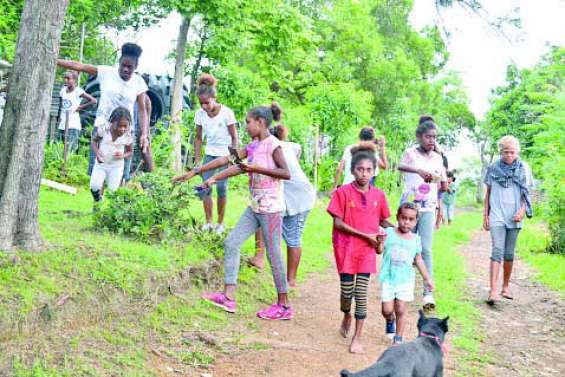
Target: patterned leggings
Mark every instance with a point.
(351, 286)
(249, 222)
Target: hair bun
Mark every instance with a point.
(131, 49)
(426, 118)
(276, 110)
(364, 146)
(207, 79)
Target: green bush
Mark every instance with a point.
(76, 169)
(150, 208)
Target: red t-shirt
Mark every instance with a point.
(364, 212)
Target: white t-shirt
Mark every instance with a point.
(108, 146)
(299, 194)
(70, 101)
(415, 189)
(347, 176)
(2, 104)
(215, 129)
(115, 92)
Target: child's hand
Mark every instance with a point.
(99, 157)
(181, 178)
(519, 216)
(426, 176)
(430, 284)
(209, 183)
(486, 225)
(248, 168)
(373, 240)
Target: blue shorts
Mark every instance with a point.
(221, 186)
(292, 229)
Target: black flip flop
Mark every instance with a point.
(507, 296)
(491, 301)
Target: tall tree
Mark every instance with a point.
(176, 101)
(23, 130)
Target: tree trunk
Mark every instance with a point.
(176, 101)
(198, 62)
(24, 127)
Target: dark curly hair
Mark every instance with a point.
(274, 112)
(120, 113)
(131, 50)
(425, 124)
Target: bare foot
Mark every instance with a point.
(506, 294)
(292, 283)
(345, 326)
(356, 347)
(256, 262)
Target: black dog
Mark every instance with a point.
(422, 357)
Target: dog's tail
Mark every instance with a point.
(345, 373)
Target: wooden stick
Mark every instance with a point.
(58, 186)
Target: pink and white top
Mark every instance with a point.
(266, 192)
(415, 189)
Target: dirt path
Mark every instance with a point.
(525, 336)
(309, 345)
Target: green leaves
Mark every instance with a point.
(152, 210)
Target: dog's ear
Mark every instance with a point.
(443, 323)
(421, 319)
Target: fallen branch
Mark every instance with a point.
(58, 186)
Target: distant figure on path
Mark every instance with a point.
(448, 199)
(367, 134)
(507, 201)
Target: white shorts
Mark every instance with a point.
(402, 292)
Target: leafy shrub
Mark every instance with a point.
(151, 208)
(76, 169)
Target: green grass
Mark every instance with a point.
(550, 268)
(120, 293)
(452, 299)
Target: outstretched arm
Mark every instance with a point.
(76, 66)
(226, 173)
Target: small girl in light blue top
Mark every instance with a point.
(402, 249)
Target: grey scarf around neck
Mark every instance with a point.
(515, 173)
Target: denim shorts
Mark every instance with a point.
(221, 186)
(503, 243)
(292, 229)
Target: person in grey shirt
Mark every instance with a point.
(299, 199)
(507, 201)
